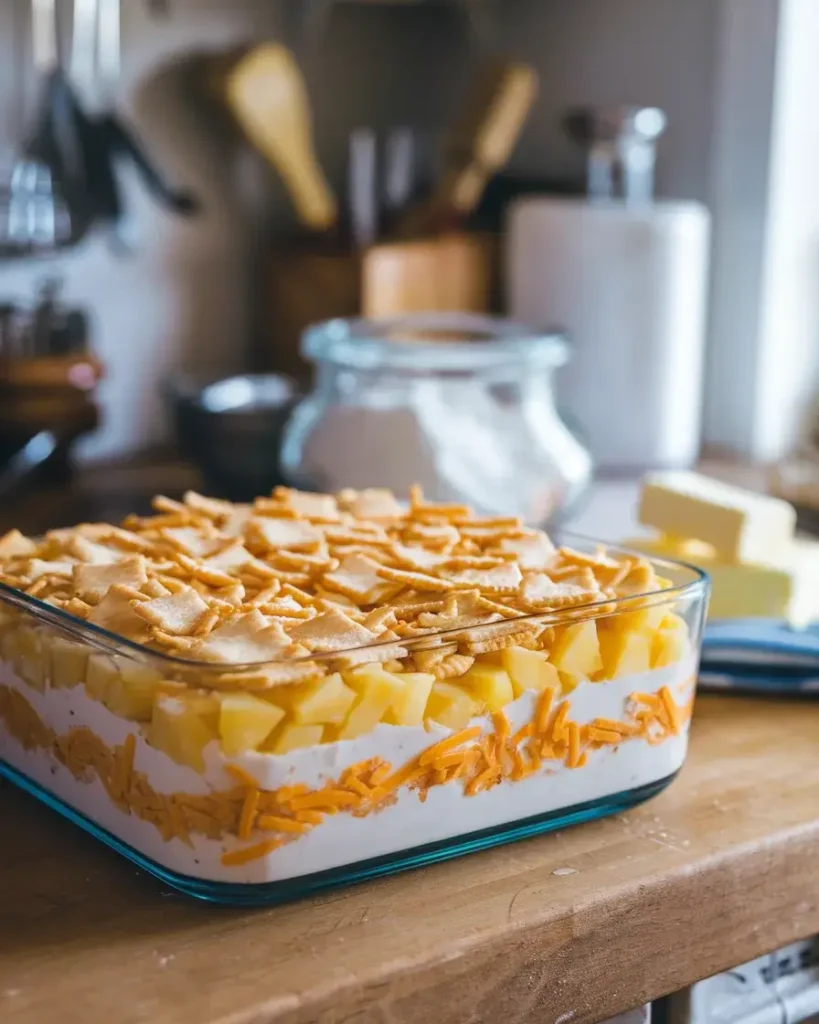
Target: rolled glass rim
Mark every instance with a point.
(387, 343)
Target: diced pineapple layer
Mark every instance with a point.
(325, 702)
(378, 691)
(182, 728)
(181, 721)
(245, 722)
(576, 649)
(409, 708)
(490, 685)
(292, 736)
(451, 706)
(529, 670)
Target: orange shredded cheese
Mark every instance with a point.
(325, 798)
(248, 815)
(544, 706)
(671, 709)
(597, 735)
(445, 745)
(275, 823)
(557, 730)
(243, 777)
(250, 853)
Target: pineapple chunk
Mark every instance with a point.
(245, 722)
(378, 691)
(670, 642)
(576, 649)
(624, 653)
(32, 662)
(569, 681)
(69, 663)
(451, 706)
(529, 670)
(133, 688)
(102, 672)
(181, 729)
(410, 707)
(641, 620)
(492, 686)
(292, 736)
(324, 702)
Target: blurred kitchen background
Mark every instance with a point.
(187, 184)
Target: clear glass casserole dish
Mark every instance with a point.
(258, 782)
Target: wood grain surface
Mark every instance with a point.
(720, 868)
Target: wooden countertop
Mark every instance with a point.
(717, 870)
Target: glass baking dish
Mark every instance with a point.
(125, 741)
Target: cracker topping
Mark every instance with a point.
(298, 574)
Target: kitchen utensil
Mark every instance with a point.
(621, 149)
(231, 428)
(454, 272)
(399, 166)
(461, 404)
(626, 278)
(22, 465)
(35, 210)
(480, 145)
(266, 94)
(363, 187)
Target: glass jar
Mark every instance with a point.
(461, 404)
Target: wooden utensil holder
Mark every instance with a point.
(454, 273)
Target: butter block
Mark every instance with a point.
(786, 591)
(739, 525)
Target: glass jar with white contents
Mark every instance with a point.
(463, 405)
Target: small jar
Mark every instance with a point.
(464, 405)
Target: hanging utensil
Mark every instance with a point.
(399, 168)
(36, 215)
(481, 144)
(362, 186)
(266, 93)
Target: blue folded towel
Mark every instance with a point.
(760, 655)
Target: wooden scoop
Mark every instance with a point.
(265, 92)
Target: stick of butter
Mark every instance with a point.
(789, 591)
(740, 526)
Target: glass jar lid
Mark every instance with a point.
(433, 343)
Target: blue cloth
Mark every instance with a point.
(760, 655)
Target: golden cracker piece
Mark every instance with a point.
(94, 581)
(331, 631)
(323, 507)
(116, 614)
(91, 551)
(38, 567)
(504, 579)
(417, 580)
(452, 666)
(372, 503)
(197, 542)
(532, 550)
(417, 559)
(366, 655)
(179, 614)
(211, 508)
(431, 535)
(538, 591)
(14, 544)
(358, 579)
(246, 639)
(286, 534)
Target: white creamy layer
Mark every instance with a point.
(342, 838)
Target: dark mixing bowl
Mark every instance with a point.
(231, 428)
